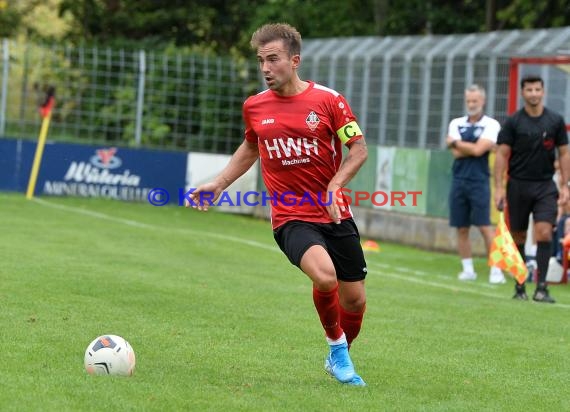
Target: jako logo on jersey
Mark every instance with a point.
(312, 121)
(288, 147)
(267, 121)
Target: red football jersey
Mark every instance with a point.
(300, 146)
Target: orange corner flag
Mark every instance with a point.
(504, 253)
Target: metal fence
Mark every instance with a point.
(404, 90)
(168, 99)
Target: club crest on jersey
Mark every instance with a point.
(312, 121)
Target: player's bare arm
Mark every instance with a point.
(357, 155)
(242, 160)
(564, 162)
(501, 160)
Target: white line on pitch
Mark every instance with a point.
(142, 225)
(387, 267)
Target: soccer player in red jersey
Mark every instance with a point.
(297, 129)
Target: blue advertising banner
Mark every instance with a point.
(92, 171)
(16, 157)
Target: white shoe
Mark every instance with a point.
(496, 277)
(467, 276)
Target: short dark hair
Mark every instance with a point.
(531, 78)
(278, 31)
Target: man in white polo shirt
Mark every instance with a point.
(470, 139)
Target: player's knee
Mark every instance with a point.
(356, 303)
(325, 281)
(544, 235)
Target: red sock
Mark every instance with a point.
(329, 311)
(351, 322)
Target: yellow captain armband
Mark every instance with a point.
(348, 131)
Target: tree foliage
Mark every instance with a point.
(528, 14)
(225, 26)
(10, 19)
(218, 30)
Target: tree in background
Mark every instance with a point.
(10, 18)
(224, 26)
(215, 33)
(33, 19)
(528, 14)
(213, 25)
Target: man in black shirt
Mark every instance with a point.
(527, 144)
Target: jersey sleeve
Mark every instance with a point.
(491, 131)
(506, 134)
(453, 130)
(561, 137)
(344, 121)
(250, 134)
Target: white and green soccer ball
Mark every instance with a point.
(110, 355)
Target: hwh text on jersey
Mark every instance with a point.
(291, 147)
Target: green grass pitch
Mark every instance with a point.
(220, 320)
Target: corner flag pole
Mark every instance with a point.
(45, 112)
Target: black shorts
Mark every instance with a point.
(525, 197)
(341, 241)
